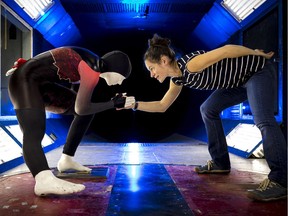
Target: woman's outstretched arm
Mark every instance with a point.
(162, 105)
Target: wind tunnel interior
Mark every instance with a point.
(142, 163)
(127, 26)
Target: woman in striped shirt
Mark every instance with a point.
(236, 73)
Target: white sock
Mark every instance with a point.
(66, 163)
(47, 183)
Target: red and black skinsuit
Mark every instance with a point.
(41, 84)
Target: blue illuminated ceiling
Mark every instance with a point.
(98, 17)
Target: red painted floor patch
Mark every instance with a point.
(17, 197)
(221, 195)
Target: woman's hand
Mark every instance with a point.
(129, 103)
(262, 53)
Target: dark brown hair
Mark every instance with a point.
(157, 47)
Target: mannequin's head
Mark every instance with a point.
(115, 67)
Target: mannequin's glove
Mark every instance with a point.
(122, 101)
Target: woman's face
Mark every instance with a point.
(158, 70)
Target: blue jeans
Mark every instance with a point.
(259, 90)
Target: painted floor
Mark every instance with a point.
(144, 179)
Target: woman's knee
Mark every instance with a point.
(262, 123)
(209, 110)
(203, 109)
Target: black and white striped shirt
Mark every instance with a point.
(226, 73)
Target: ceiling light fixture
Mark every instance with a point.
(240, 9)
(35, 8)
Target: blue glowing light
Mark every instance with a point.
(134, 173)
(136, 3)
(133, 170)
(216, 27)
(133, 153)
(57, 27)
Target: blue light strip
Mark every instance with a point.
(137, 3)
